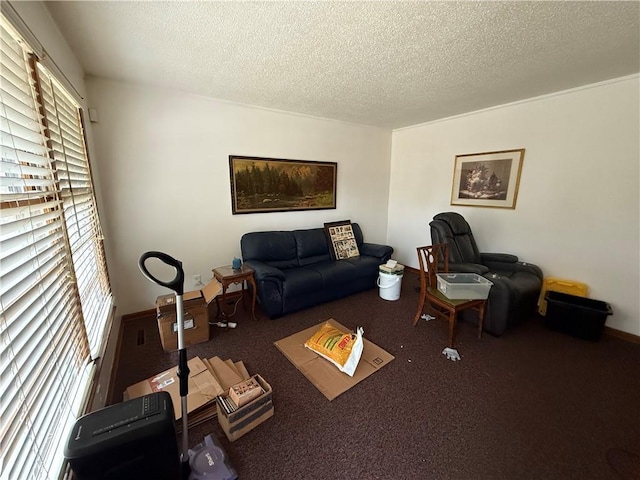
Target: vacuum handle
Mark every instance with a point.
(177, 284)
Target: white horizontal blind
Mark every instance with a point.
(46, 361)
(81, 217)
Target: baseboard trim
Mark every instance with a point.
(116, 362)
(136, 315)
(629, 337)
(612, 332)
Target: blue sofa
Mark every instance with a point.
(295, 270)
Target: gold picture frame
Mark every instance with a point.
(262, 185)
(489, 179)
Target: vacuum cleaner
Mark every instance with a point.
(207, 460)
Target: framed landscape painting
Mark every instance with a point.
(488, 179)
(261, 185)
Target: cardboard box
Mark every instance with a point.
(195, 316)
(245, 391)
(196, 328)
(248, 417)
(203, 387)
(324, 375)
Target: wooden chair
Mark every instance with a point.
(435, 303)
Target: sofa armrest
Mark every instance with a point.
(518, 267)
(510, 263)
(269, 285)
(498, 257)
(468, 268)
(383, 252)
(264, 271)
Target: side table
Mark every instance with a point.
(228, 275)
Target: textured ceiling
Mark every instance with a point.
(389, 64)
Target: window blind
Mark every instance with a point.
(54, 288)
(66, 136)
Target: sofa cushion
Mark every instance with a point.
(311, 246)
(365, 266)
(276, 249)
(334, 273)
(301, 280)
(357, 232)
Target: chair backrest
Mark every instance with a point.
(433, 259)
(451, 228)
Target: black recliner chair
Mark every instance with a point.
(516, 285)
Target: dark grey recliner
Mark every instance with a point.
(516, 285)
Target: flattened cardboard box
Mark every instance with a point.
(203, 387)
(323, 374)
(248, 417)
(226, 375)
(196, 316)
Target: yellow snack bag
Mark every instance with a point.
(343, 349)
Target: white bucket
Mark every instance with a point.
(390, 284)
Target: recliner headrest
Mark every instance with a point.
(456, 222)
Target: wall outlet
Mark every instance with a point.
(197, 280)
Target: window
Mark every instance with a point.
(55, 297)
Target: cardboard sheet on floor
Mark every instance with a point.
(320, 372)
(203, 388)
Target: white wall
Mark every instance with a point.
(161, 168)
(163, 160)
(578, 209)
(39, 23)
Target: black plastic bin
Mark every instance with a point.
(578, 316)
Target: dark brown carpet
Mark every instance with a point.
(533, 404)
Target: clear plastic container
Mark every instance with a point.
(463, 286)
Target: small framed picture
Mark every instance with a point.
(489, 179)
